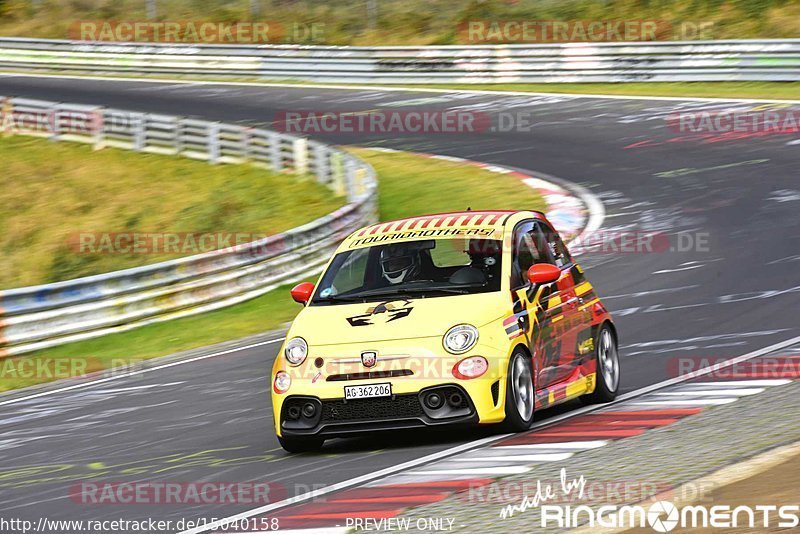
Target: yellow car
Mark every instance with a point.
(476, 317)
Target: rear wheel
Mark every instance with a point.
(301, 444)
(520, 398)
(607, 373)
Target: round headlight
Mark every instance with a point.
(296, 350)
(471, 367)
(282, 382)
(460, 338)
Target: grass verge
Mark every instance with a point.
(755, 90)
(409, 185)
(58, 201)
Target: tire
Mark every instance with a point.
(520, 393)
(608, 370)
(296, 445)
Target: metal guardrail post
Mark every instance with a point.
(350, 179)
(177, 130)
(53, 122)
(139, 136)
(300, 147)
(7, 116)
(275, 158)
(246, 146)
(337, 173)
(213, 143)
(321, 162)
(98, 129)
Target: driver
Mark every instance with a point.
(400, 263)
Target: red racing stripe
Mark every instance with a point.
(407, 500)
(643, 423)
(670, 412)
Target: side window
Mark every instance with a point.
(529, 248)
(557, 248)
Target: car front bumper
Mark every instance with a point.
(339, 417)
(412, 367)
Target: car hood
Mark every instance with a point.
(403, 318)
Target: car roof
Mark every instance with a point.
(484, 220)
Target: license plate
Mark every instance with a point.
(367, 391)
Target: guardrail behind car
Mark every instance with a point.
(666, 61)
(42, 316)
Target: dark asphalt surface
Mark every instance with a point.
(211, 421)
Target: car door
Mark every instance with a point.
(570, 319)
(535, 307)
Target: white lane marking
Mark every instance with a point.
(700, 339)
(648, 293)
(134, 388)
(678, 269)
(695, 402)
(383, 473)
(139, 372)
(516, 458)
(499, 470)
(787, 258)
(744, 383)
(390, 89)
(329, 530)
(579, 445)
(712, 392)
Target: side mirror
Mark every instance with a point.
(543, 273)
(302, 292)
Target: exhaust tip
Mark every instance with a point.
(455, 400)
(309, 410)
(433, 401)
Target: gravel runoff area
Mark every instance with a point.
(635, 469)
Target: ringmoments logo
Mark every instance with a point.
(664, 516)
(660, 516)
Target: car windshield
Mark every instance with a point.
(428, 268)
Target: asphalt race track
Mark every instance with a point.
(210, 420)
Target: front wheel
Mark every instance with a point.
(520, 397)
(301, 444)
(607, 358)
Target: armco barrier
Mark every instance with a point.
(42, 316)
(669, 61)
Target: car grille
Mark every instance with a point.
(370, 374)
(402, 406)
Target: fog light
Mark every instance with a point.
(293, 412)
(471, 367)
(282, 382)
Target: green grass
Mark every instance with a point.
(760, 90)
(412, 185)
(54, 194)
(409, 185)
(267, 312)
